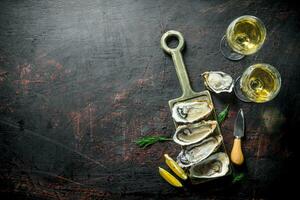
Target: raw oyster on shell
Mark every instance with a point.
(189, 112)
(193, 133)
(195, 153)
(214, 166)
(218, 82)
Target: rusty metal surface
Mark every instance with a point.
(81, 80)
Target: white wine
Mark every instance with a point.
(260, 82)
(246, 34)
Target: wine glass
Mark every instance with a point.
(259, 83)
(244, 36)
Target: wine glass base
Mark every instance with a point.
(238, 92)
(228, 52)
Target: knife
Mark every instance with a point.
(239, 126)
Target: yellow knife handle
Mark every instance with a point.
(236, 152)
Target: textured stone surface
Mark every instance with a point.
(81, 80)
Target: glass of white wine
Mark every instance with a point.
(259, 83)
(244, 36)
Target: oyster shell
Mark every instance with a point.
(189, 112)
(193, 133)
(218, 82)
(215, 165)
(197, 152)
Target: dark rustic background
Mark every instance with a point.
(80, 80)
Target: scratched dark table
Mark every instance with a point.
(80, 81)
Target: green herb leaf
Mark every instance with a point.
(146, 141)
(222, 115)
(238, 177)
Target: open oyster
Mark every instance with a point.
(215, 165)
(218, 82)
(197, 152)
(189, 112)
(193, 133)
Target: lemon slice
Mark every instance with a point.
(169, 177)
(175, 167)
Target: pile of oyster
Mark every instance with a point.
(201, 140)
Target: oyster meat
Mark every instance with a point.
(189, 112)
(218, 82)
(193, 133)
(214, 166)
(197, 152)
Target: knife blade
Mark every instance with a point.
(237, 156)
(239, 125)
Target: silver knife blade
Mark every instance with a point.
(239, 125)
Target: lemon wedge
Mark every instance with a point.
(175, 167)
(169, 177)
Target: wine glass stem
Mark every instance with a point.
(227, 51)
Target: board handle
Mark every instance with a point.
(178, 61)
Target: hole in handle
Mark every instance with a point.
(172, 42)
(169, 38)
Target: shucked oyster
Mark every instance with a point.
(197, 152)
(215, 165)
(218, 81)
(189, 112)
(193, 133)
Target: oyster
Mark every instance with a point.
(215, 165)
(218, 82)
(193, 133)
(189, 112)
(197, 152)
